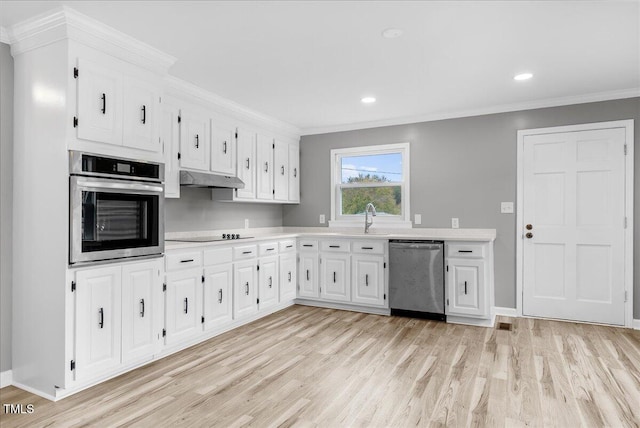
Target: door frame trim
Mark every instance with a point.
(628, 202)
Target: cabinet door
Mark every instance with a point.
(141, 105)
(223, 151)
(268, 282)
(98, 321)
(99, 103)
(194, 140)
(368, 280)
(308, 276)
(171, 146)
(288, 277)
(246, 161)
(334, 277)
(294, 173)
(218, 281)
(281, 171)
(141, 323)
(265, 167)
(183, 305)
(245, 297)
(466, 287)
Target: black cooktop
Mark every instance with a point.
(224, 237)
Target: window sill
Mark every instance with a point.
(381, 224)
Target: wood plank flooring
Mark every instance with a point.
(315, 367)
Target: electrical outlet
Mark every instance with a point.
(455, 223)
(417, 219)
(246, 223)
(322, 219)
(506, 207)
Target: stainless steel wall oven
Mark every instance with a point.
(116, 208)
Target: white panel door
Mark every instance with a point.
(99, 103)
(466, 287)
(183, 305)
(246, 161)
(98, 321)
(573, 252)
(281, 171)
(335, 277)
(223, 148)
(368, 280)
(141, 104)
(218, 281)
(294, 173)
(245, 297)
(265, 167)
(288, 277)
(268, 282)
(308, 275)
(171, 147)
(194, 140)
(141, 326)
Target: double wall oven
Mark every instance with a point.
(116, 208)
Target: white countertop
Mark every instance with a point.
(262, 234)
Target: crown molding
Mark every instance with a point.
(505, 108)
(181, 89)
(65, 23)
(4, 36)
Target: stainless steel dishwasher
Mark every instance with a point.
(416, 278)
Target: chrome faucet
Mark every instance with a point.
(369, 209)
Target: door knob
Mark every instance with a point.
(529, 227)
(529, 235)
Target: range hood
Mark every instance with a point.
(209, 180)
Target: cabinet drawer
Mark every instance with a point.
(183, 260)
(464, 250)
(369, 247)
(308, 245)
(268, 249)
(335, 246)
(244, 252)
(216, 256)
(288, 246)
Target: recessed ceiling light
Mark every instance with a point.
(523, 76)
(391, 33)
(368, 100)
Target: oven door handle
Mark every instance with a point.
(119, 186)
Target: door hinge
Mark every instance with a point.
(625, 149)
(73, 286)
(75, 72)
(179, 119)
(202, 319)
(72, 365)
(164, 287)
(203, 278)
(75, 121)
(164, 332)
(178, 155)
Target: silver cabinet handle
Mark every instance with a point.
(186, 305)
(465, 287)
(144, 114)
(307, 274)
(247, 163)
(220, 296)
(197, 141)
(266, 167)
(101, 313)
(270, 282)
(334, 277)
(104, 107)
(295, 172)
(246, 288)
(224, 147)
(289, 276)
(142, 308)
(366, 280)
(282, 170)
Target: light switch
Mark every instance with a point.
(455, 223)
(322, 219)
(506, 207)
(418, 219)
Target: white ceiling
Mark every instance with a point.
(310, 63)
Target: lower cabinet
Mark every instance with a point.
(469, 279)
(245, 291)
(308, 270)
(367, 280)
(288, 277)
(268, 281)
(335, 277)
(183, 305)
(217, 296)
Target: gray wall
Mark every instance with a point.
(461, 168)
(196, 211)
(6, 171)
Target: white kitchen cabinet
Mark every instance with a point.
(194, 139)
(183, 305)
(264, 158)
(294, 173)
(171, 147)
(245, 296)
(217, 297)
(141, 107)
(308, 274)
(335, 277)
(141, 309)
(223, 147)
(367, 280)
(99, 116)
(246, 163)
(288, 277)
(281, 171)
(466, 287)
(268, 281)
(98, 321)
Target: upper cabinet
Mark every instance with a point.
(223, 147)
(194, 139)
(117, 110)
(265, 168)
(294, 173)
(246, 164)
(281, 171)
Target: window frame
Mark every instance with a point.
(357, 220)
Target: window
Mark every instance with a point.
(376, 174)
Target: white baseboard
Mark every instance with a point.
(343, 307)
(33, 391)
(477, 322)
(505, 312)
(636, 324)
(6, 378)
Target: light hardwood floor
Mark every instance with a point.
(318, 367)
